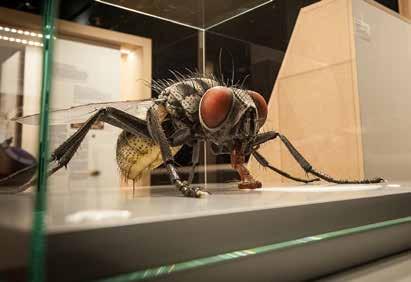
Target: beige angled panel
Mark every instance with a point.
(315, 101)
(405, 8)
(321, 38)
(320, 120)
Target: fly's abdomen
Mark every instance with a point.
(138, 155)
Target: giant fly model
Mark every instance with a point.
(189, 110)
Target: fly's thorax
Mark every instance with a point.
(182, 99)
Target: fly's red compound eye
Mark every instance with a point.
(215, 106)
(261, 105)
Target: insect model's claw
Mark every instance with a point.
(381, 180)
(312, 180)
(195, 192)
(189, 191)
(201, 194)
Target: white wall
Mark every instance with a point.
(82, 73)
(10, 87)
(384, 82)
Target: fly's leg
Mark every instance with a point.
(247, 181)
(267, 136)
(65, 152)
(157, 133)
(265, 163)
(113, 116)
(308, 168)
(194, 159)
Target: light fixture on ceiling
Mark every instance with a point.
(126, 52)
(18, 36)
(20, 31)
(21, 41)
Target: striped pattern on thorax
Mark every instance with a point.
(182, 99)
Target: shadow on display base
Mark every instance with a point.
(276, 233)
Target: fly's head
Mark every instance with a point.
(231, 118)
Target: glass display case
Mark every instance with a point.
(199, 140)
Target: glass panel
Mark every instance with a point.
(248, 51)
(202, 14)
(114, 60)
(21, 61)
(25, 58)
(197, 14)
(38, 252)
(136, 49)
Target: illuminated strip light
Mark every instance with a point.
(21, 41)
(20, 31)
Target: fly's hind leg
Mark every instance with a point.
(159, 136)
(65, 152)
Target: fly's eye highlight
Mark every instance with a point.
(261, 105)
(215, 106)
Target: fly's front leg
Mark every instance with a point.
(247, 181)
(157, 133)
(194, 160)
(238, 160)
(308, 168)
(266, 164)
(261, 139)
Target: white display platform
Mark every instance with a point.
(113, 232)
